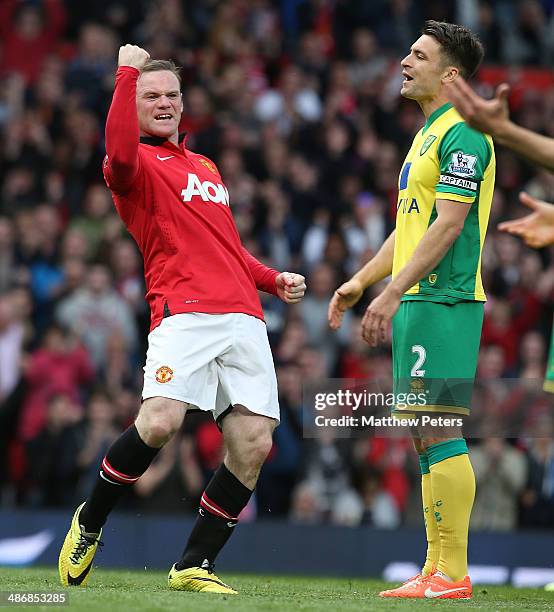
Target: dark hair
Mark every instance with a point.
(461, 47)
(153, 65)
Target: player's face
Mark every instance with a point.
(159, 103)
(423, 69)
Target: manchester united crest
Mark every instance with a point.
(208, 165)
(164, 374)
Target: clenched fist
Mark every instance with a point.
(131, 55)
(290, 287)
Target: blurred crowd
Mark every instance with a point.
(297, 102)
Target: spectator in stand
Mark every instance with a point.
(96, 435)
(367, 63)
(529, 43)
(500, 473)
(379, 508)
(397, 28)
(53, 471)
(89, 74)
(313, 310)
(307, 506)
(59, 366)
(96, 312)
(29, 32)
(532, 356)
(290, 103)
(280, 471)
(12, 335)
(326, 467)
(97, 211)
(537, 499)
(7, 255)
(174, 481)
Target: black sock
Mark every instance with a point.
(125, 462)
(220, 505)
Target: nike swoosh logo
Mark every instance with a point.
(431, 594)
(79, 579)
(164, 158)
(211, 580)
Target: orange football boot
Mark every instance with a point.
(412, 588)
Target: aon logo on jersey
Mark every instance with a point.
(206, 190)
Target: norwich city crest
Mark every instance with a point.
(426, 144)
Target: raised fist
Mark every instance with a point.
(131, 55)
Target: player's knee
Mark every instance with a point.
(254, 448)
(156, 423)
(159, 431)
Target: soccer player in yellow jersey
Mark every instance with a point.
(435, 299)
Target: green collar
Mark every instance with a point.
(436, 114)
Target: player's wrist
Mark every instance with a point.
(395, 290)
(363, 280)
(128, 68)
(504, 131)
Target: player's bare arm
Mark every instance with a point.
(431, 249)
(291, 287)
(536, 229)
(349, 293)
(492, 117)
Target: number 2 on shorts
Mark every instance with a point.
(421, 355)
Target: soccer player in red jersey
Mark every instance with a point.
(208, 345)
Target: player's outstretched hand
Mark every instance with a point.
(489, 116)
(344, 297)
(290, 287)
(131, 55)
(536, 229)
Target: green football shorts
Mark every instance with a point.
(434, 355)
(549, 378)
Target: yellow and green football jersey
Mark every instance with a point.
(451, 161)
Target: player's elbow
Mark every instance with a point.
(451, 229)
(123, 165)
(456, 229)
(121, 174)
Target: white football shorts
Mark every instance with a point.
(212, 361)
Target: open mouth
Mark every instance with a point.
(407, 77)
(163, 117)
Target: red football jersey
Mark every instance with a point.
(176, 207)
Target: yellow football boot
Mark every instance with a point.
(77, 553)
(199, 580)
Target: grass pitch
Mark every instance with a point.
(135, 591)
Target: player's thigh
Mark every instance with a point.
(246, 372)
(435, 350)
